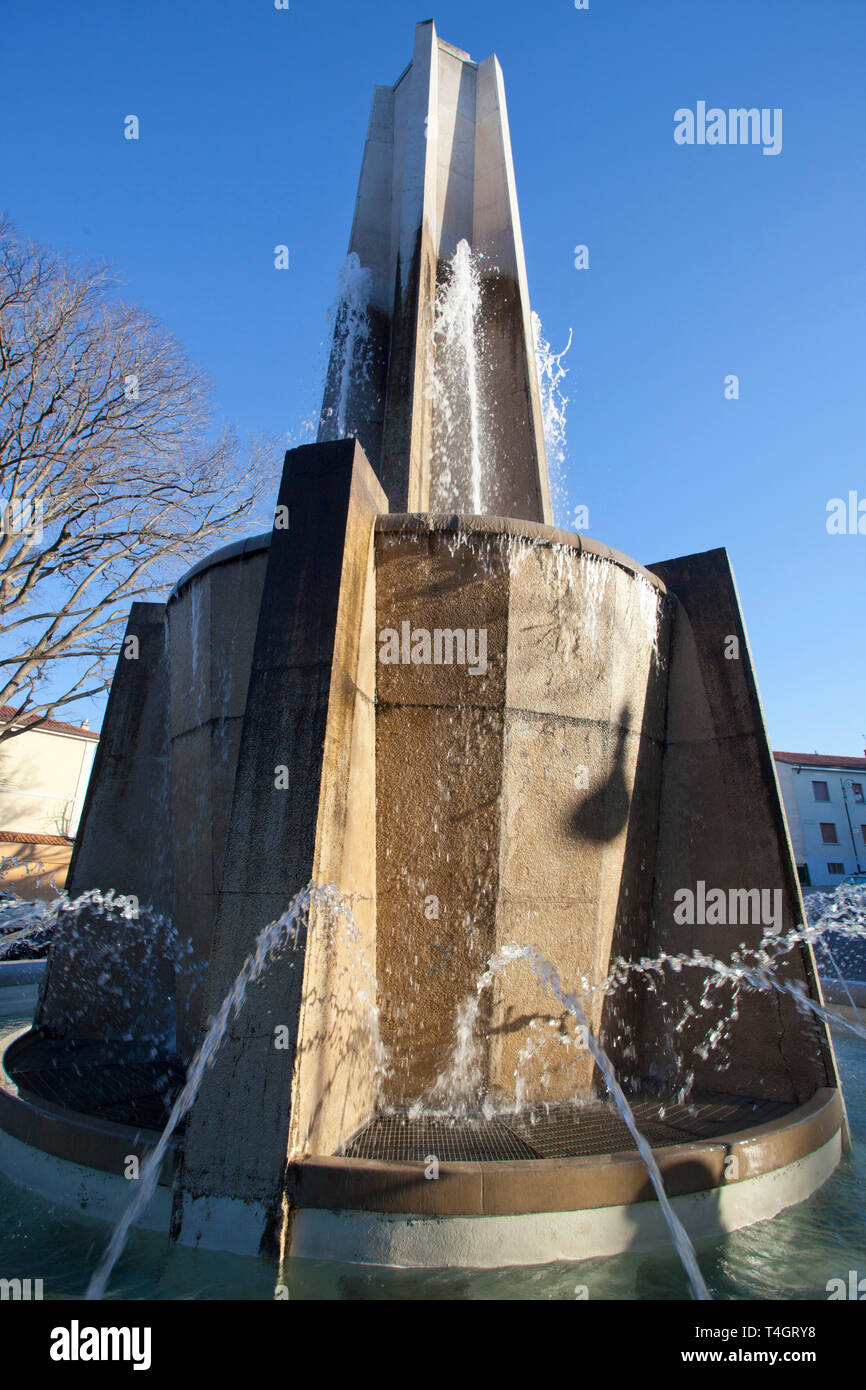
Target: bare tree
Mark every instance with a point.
(112, 478)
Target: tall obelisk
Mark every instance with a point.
(437, 170)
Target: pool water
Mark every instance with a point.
(791, 1257)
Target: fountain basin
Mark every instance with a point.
(487, 1215)
(475, 1214)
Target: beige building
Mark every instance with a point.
(43, 780)
(825, 802)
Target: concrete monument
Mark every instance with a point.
(482, 734)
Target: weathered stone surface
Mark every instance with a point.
(128, 790)
(308, 710)
(505, 801)
(721, 822)
(107, 977)
(212, 621)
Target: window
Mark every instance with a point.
(803, 870)
(857, 789)
(828, 833)
(835, 868)
(863, 828)
(820, 791)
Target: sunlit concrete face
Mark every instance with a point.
(505, 796)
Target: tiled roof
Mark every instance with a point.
(26, 837)
(829, 760)
(51, 726)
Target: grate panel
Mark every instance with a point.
(560, 1131)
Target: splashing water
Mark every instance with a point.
(26, 927)
(285, 931)
(460, 1083)
(551, 374)
(751, 966)
(457, 1088)
(548, 975)
(453, 371)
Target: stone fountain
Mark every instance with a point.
(481, 730)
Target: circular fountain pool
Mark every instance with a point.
(793, 1256)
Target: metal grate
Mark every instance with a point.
(135, 1084)
(128, 1083)
(556, 1131)
(395, 1136)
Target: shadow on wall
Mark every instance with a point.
(603, 815)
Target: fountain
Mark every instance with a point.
(354, 768)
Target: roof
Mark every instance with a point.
(27, 837)
(829, 760)
(50, 726)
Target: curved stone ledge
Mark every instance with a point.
(462, 1189)
(474, 1214)
(535, 1238)
(569, 1184)
(14, 973)
(538, 534)
(414, 522)
(67, 1134)
(233, 551)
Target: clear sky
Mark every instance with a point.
(704, 260)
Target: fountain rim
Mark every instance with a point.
(502, 1187)
(248, 545)
(86, 1140)
(536, 532)
(582, 1182)
(433, 523)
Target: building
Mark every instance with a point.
(825, 802)
(43, 780)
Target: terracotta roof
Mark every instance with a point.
(26, 837)
(822, 760)
(51, 726)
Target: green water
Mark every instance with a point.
(791, 1257)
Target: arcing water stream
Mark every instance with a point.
(457, 1087)
(285, 931)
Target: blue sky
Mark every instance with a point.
(704, 261)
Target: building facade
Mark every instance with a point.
(44, 773)
(825, 803)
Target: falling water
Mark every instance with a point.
(457, 1088)
(551, 374)
(457, 345)
(460, 1083)
(549, 976)
(351, 329)
(755, 967)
